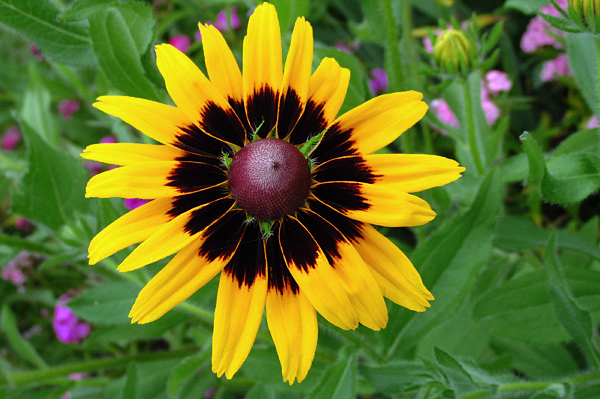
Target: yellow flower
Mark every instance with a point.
(257, 180)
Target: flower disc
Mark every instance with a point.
(269, 178)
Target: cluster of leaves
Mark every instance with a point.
(512, 258)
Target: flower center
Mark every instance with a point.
(269, 178)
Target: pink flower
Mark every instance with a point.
(23, 225)
(108, 140)
(442, 110)
(17, 270)
(592, 123)
(497, 82)
(555, 68)
(224, 24)
(10, 139)
(93, 167)
(180, 42)
(540, 33)
(68, 327)
(379, 81)
(427, 45)
(234, 19)
(132, 203)
(198, 36)
(67, 108)
(490, 110)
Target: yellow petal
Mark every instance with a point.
(381, 120)
(131, 228)
(129, 153)
(362, 289)
(293, 325)
(146, 180)
(320, 283)
(221, 65)
(413, 172)
(238, 315)
(185, 274)
(158, 121)
(188, 87)
(294, 88)
(328, 87)
(171, 237)
(382, 205)
(262, 65)
(394, 272)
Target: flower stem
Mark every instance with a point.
(472, 134)
(533, 386)
(45, 375)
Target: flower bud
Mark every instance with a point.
(453, 51)
(446, 3)
(587, 9)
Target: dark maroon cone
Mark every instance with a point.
(269, 178)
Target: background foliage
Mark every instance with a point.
(512, 257)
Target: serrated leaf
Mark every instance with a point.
(116, 48)
(45, 195)
(571, 178)
(66, 43)
(396, 376)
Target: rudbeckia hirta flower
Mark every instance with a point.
(256, 179)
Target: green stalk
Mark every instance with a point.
(533, 386)
(45, 375)
(392, 51)
(472, 134)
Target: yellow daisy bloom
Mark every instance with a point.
(258, 180)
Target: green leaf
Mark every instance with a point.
(288, 11)
(131, 380)
(83, 9)
(66, 43)
(106, 303)
(187, 368)
(8, 323)
(373, 15)
(526, 7)
(261, 391)
(338, 381)
(586, 141)
(516, 234)
(583, 51)
(571, 178)
(575, 319)
(36, 110)
(395, 376)
(46, 195)
(535, 156)
(449, 262)
(521, 309)
(117, 48)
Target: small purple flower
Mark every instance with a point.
(540, 33)
(234, 19)
(68, 327)
(93, 167)
(198, 36)
(497, 82)
(67, 108)
(11, 138)
(36, 52)
(209, 393)
(490, 110)
(132, 203)
(180, 42)
(108, 140)
(555, 68)
(221, 23)
(442, 110)
(379, 81)
(24, 225)
(592, 123)
(427, 44)
(17, 270)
